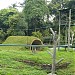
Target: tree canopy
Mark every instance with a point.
(34, 11)
(11, 21)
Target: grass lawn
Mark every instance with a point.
(10, 65)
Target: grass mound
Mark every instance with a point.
(20, 40)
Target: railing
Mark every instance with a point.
(64, 46)
(26, 45)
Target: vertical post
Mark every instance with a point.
(54, 54)
(59, 29)
(66, 36)
(72, 37)
(66, 31)
(55, 40)
(69, 29)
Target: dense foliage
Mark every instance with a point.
(35, 19)
(34, 11)
(11, 23)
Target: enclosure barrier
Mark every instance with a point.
(26, 45)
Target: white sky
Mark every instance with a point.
(7, 3)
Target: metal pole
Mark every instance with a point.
(69, 29)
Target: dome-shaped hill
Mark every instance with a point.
(23, 40)
(29, 40)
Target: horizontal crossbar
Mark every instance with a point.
(27, 45)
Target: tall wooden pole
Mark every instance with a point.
(59, 29)
(69, 29)
(66, 36)
(66, 31)
(54, 54)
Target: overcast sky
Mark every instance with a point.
(7, 3)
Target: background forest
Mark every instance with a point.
(35, 19)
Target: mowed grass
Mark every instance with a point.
(10, 59)
(10, 65)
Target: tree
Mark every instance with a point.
(17, 25)
(12, 22)
(5, 15)
(2, 36)
(34, 12)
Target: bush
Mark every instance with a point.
(37, 34)
(2, 36)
